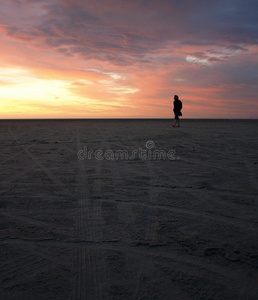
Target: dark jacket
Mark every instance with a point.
(177, 105)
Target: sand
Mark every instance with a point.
(78, 223)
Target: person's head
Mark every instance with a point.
(176, 97)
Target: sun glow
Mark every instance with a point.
(18, 84)
(22, 93)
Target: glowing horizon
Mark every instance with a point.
(82, 59)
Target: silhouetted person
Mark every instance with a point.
(177, 111)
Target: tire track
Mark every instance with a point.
(59, 184)
(151, 211)
(23, 270)
(38, 260)
(117, 179)
(151, 231)
(151, 224)
(40, 224)
(36, 142)
(252, 177)
(90, 262)
(215, 218)
(154, 252)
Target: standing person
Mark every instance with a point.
(177, 111)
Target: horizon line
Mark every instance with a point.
(42, 119)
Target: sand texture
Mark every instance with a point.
(78, 223)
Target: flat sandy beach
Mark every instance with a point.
(89, 209)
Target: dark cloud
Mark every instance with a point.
(117, 29)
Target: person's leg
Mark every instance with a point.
(178, 125)
(174, 123)
(175, 120)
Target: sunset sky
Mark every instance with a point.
(128, 58)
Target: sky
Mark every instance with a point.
(128, 58)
